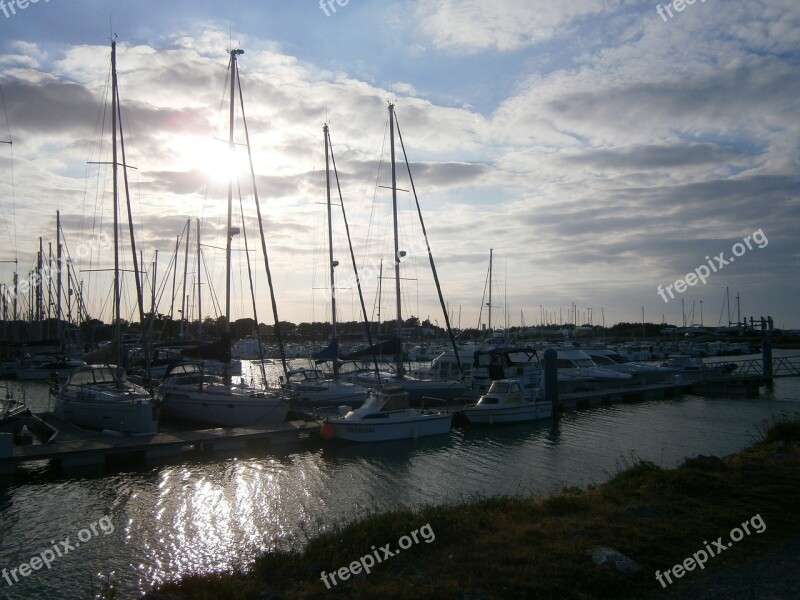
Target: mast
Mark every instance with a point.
(115, 183)
(491, 253)
(399, 352)
(199, 295)
(380, 296)
(230, 231)
(331, 263)
(184, 303)
(58, 273)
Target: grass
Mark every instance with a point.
(538, 547)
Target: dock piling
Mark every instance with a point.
(551, 378)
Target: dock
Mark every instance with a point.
(72, 447)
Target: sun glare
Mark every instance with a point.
(215, 160)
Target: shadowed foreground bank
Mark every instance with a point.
(542, 547)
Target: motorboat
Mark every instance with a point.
(692, 368)
(613, 361)
(99, 397)
(385, 416)
(577, 364)
(189, 393)
(506, 403)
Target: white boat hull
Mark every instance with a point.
(221, 406)
(336, 396)
(128, 417)
(491, 415)
(371, 430)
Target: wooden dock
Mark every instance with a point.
(729, 384)
(74, 447)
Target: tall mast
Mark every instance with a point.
(491, 253)
(58, 273)
(115, 183)
(199, 295)
(331, 263)
(399, 353)
(230, 231)
(184, 303)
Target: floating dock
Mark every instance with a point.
(71, 447)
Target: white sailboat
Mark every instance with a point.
(188, 393)
(310, 388)
(387, 415)
(99, 396)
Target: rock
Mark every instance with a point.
(606, 557)
(712, 463)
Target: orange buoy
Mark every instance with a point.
(326, 431)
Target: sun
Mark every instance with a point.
(215, 159)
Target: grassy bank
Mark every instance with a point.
(514, 547)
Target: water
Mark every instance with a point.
(219, 512)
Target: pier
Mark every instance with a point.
(70, 446)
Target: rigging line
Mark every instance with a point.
(214, 298)
(137, 275)
(262, 367)
(353, 259)
(430, 254)
(483, 299)
(261, 231)
(377, 160)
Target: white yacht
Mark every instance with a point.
(613, 361)
(99, 397)
(189, 393)
(576, 364)
(386, 416)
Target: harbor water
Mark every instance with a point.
(141, 525)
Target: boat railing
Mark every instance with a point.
(438, 401)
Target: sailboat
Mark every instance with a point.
(310, 387)
(98, 396)
(387, 413)
(188, 393)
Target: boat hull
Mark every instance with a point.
(491, 415)
(370, 430)
(135, 417)
(221, 406)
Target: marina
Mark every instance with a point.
(68, 446)
(243, 308)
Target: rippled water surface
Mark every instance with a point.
(213, 513)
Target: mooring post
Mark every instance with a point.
(551, 378)
(766, 359)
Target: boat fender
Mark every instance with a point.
(326, 432)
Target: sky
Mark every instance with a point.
(615, 156)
